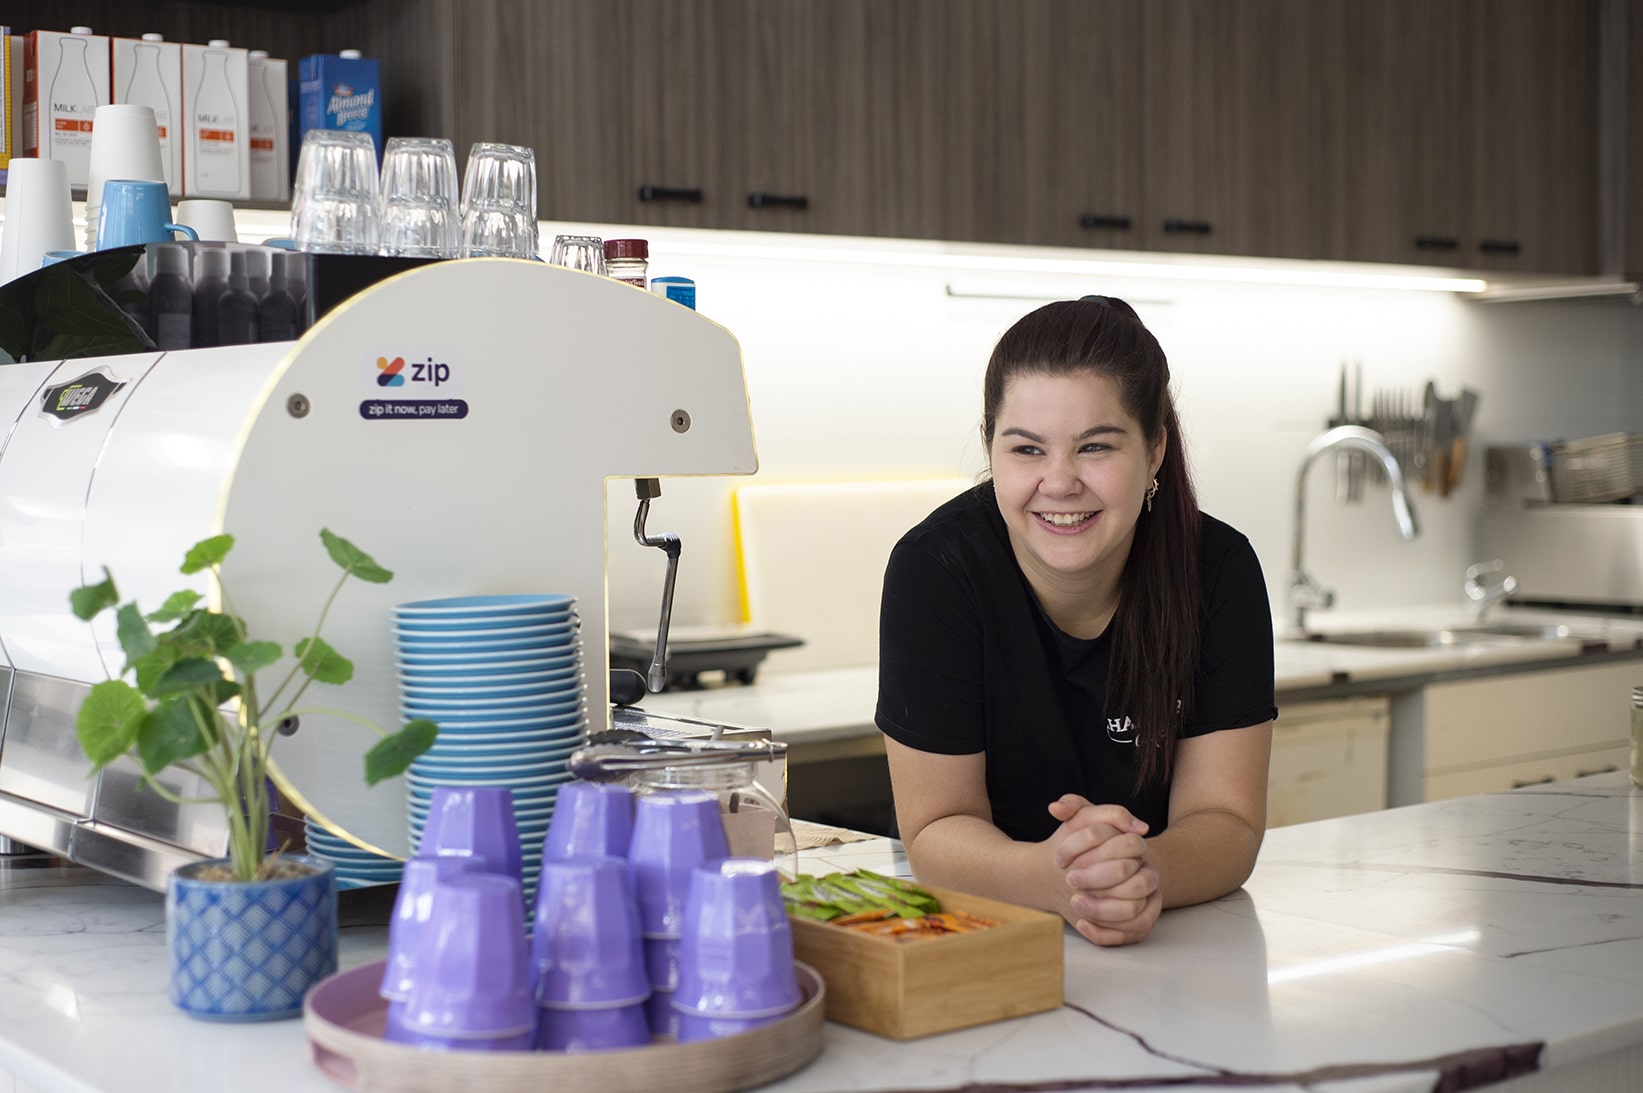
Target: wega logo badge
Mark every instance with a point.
(75, 399)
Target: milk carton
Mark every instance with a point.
(149, 72)
(270, 129)
(216, 122)
(340, 91)
(14, 95)
(65, 80)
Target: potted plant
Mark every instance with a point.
(247, 934)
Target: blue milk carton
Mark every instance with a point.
(339, 91)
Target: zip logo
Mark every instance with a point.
(413, 373)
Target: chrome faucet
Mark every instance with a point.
(1304, 592)
(1485, 594)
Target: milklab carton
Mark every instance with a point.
(65, 80)
(216, 122)
(340, 91)
(150, 73)
(270, 129)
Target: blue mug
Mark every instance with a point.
(136, 212)
(52, 257)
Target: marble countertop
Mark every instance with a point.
(1439, 946)
(812, 707)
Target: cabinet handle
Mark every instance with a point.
(1534, 782)
(1436, 242)
(1499, 246)
(782, 201)
(670, 193)
(1098, 220)
(1189, 227)
(1610, 769)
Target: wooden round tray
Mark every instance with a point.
(344, 1018)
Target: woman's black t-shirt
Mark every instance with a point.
(968, 662)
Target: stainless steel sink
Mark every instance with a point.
(1419, 638)
(1504, 633)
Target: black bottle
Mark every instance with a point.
(210, 282)
(256, 273)
(276, 313)
(296, 285)
(171, 298)
(237, 308)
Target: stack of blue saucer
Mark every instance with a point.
(502, 677)
(356, 868)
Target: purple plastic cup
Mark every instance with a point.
(663, 1018)
(586, 951)
(701, 1026)
(592, 1029)
(590, 820)
(465, 820)
(673, 832)
(411, 911)
(662, 963)
(736, 953)
(472, 980)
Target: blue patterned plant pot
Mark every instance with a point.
(249, 950)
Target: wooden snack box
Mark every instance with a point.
(908, 989)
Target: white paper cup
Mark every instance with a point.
(38, 215)
(211, 218)
(125, 143)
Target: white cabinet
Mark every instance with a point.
(1328, 759)
(1503, 732)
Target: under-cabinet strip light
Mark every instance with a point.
(1087, 267)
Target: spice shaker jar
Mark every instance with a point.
(628, 260)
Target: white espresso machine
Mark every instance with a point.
(458, 422)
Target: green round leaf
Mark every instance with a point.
(207, 553)
(353, 559)
(108, 721)
(88, 600)
(391, 756)
(322, 663)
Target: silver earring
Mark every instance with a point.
(1151, 492)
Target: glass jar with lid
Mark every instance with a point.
(755, 821)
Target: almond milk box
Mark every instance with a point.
(340, 91)
(149, 72)
(65, 80)
(216, 122)
(270, 129)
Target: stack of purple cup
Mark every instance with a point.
(470, 984)
(465, 821)
(587, 963)
(674, 831)
(736, 953)
(413, 909)
(590, 820)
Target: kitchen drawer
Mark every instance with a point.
(1500, 719)
(1328, 759)
(1464, 783)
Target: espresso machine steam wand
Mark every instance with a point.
(646, 489)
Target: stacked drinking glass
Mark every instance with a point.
(502, 677)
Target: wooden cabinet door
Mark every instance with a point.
(1404, 133)
(1079, 174)
(1236, 135)
(1533, 196)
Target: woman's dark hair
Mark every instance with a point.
(1157, 625)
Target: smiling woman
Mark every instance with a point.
(1063, 647)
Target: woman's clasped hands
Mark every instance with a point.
(1101, 851)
